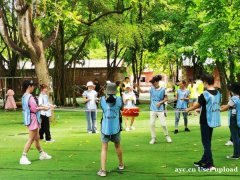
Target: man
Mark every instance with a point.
(209, 101)
(158, 97)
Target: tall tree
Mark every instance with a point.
(30, 36)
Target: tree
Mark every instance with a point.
(30, 36)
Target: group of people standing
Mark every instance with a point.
(116, 98)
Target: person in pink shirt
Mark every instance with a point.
(10, 102)
(32, 121)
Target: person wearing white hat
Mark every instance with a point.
(90, 97)
(129, 100)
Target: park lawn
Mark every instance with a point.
(76, 154)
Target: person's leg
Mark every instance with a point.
(37, 143)
(104, 156)
(42, 128)
(153, 117)
(162, 120)
(206, 134)
(119, 153)
(47, 128)
(177, 117)
(234, 135)
(185, 117)
(88, 116)
(126, 124)
(131, 124)
(31, 138)
(93, 117)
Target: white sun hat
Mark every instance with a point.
(90, 83)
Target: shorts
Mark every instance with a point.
(193, 100)
(114, 138)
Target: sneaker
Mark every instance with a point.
(153, 141)
(44, 156)
(198, 164)
(102, 173)
(169, 140)
(127, 129)
(232, 157)
(208, 167)
(24, 160)
(89, 132)
(121, 167)
(187, 130)
(176, 131)
(229, 143)
(51, 140)
(94, 132)
(132, 128)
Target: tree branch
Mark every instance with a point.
(8, 40)
(51, 38)
(80, 49)
(105, 14)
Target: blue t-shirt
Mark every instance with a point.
(156, 95)
(182, 104)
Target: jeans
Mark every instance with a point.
(206, 135)
(91, 120)
(235, 133)
(177, 117)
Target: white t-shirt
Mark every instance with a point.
(131, 99)
(92, 95)
(44, 101)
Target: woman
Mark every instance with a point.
(32, 121)
(90, 98)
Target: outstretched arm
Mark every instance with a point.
(195, 106)
(224, 108)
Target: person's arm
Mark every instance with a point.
(163, 101)
(195, 106)
(224, 107)
(84, 95)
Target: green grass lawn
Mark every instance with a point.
(76, 154)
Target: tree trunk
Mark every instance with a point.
(221, 70)
(59, 72)
(41, 70)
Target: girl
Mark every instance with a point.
(43, 100)
(234, 119)
(32, 121)
(129, 100)
(110, 126)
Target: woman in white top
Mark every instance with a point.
(129, 100)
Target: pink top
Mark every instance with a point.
(33, 108)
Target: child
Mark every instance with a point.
(129, 100)
(10, 102)
(110, 126)
(91, 99)
(209, 101)
(32, 121)
(43, 100)
(234, 119)
(182, 103)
